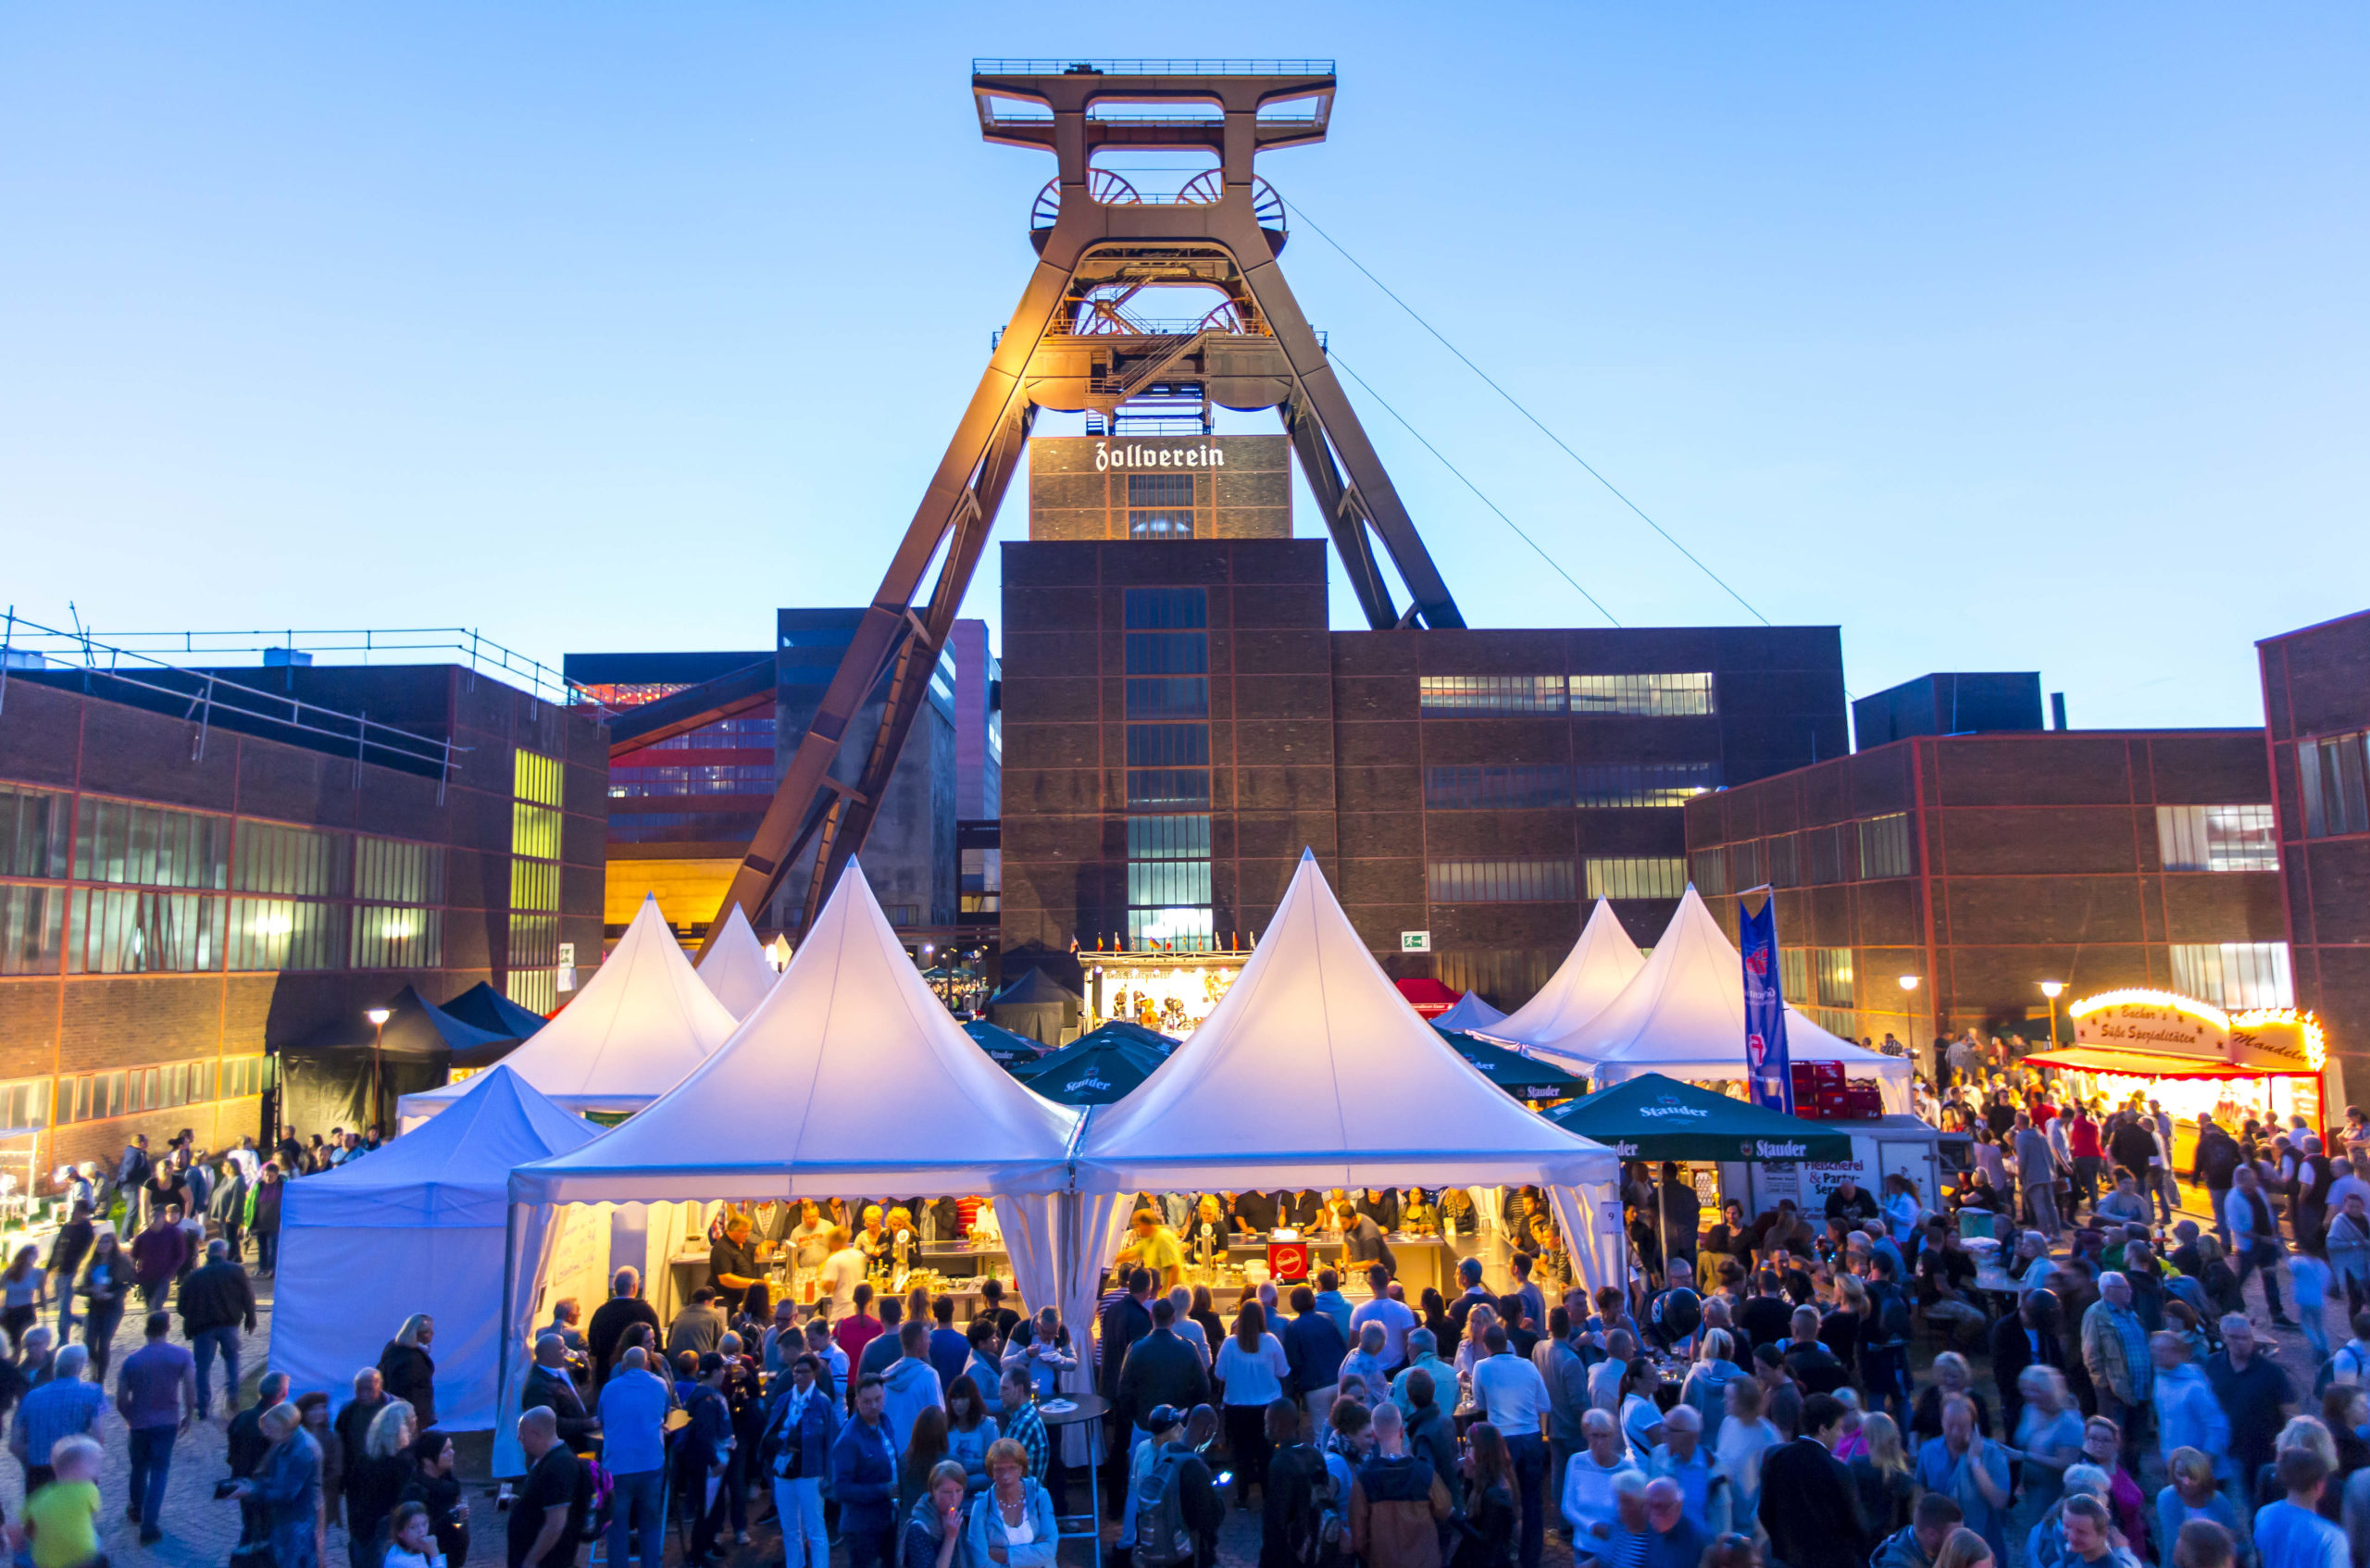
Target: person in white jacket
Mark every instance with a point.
(1590, 1507)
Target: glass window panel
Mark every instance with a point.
(1454, 696)
(1168, 653)
(2243, 838)
(1711, 867)
(534, 959)
(400, 937)
(2234, 975)
(149, 846)
(1187, 697)
(1831, 975)
(32, 926)
(1644, 784)
(295, 861)
(1647, 696)
(1785, 859)
(1160, 490)
(1154, 882)
(33, 831)
(1191, 931)
(1502, 881)
(1491, 788)
(1884, 846)
(1169, 745)
(1179, 786)
(117, 932)
(1166, 609)
(1636, 876)
(1160, 525)
(1168, 838)
(2331, 773)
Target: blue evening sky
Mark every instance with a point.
(2004, 337)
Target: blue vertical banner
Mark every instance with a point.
(1767, 1065)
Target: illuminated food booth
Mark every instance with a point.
(1168, 992)
(2196, 1060)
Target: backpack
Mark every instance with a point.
(2357, 1371)
(1162, 1538)
(1297, 1481)
(596, 1496)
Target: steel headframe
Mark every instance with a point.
(1263, 354)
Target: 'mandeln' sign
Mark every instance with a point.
(1135, 454)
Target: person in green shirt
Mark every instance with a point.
(61, 1519)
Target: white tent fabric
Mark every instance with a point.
(850, 1076)
(418, 1226)
(1470, 1013)
(1312, 1072)
(1683, 1016)
(643, 1021)
(735, 967)
(1592, 973)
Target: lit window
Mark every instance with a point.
(2330, 772)
(1512, 788)
(1884, 847)
(1502, 881)
(1644, 696)
(32, 926)
(1646, 784)
(2218, 838)
(1636, 877)
(1465, 695)
(2234, 975)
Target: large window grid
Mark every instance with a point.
(286, 934)
(1636, 876)
(1884, 847)
(399, 937)
(1645, 696)
(1170, 697)
(1169, 898)
(2331, 773)
(1160, 505)
(124, 932)
(1645, 784)
(150, 846)
(1514, 787)
(32, 929)
(720, 778)
(2234, 975)
(2243, 838)
(1502, 881)
(1465, 695)
(24, 1102)
(532, 980)
(297, 862)
(92, 1097)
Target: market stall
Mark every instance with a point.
(1602, 962)
(850, 1078)
(1314, 1075)
(1682, 1016)
(736, 967)
(643, 1020)
(1037, 1005)
(2196, 1060)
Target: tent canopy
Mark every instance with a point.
(1036, 989)
(1652, 1118)
(1525, 1077)
(1470, 1013)
(483, 1007)
(1037, 1005)
(1312, 1072)
(1099, 1069)
(850, 1071)
(1683, 1015)
(2140, 1064)
(735, 967)
(418, 1226)
(1121, 1029)
(643, 1021)
(1602, 962)
(416, 1027)
(1003, 1047)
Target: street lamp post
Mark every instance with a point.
(378, 1017)
(2052, 989)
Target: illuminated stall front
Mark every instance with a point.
(2196, 1060)
(1168, 992)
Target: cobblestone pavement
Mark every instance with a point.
(200, 1532)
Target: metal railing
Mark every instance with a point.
(465, 645)
(1151, 68)
(202, 695)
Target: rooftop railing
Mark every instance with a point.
(1151, 68)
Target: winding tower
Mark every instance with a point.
(1089, 335)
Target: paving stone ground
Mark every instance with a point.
(200, 1532)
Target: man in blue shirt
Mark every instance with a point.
(1332, 1302)
(63, 1407)
(2293, 1534)
(863, 1479)
(950, 1350)
(633, 1425)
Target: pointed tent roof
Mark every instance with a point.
(1592, 973)
(415, 1028)
(1312, 1071)
(1035, 989)
(1683, 1015)
(858, 1075)
(1097, 1069)
(1470, 1013)
(1015, 1053)
(643, 1021)
(452, 1172)
(1515, 1070)
(483, 1007)
(736, 968)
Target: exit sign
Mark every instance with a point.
(1415, 942)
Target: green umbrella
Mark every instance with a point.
(1653, 1117)
(1523, 1077)
(1119, 1028)
(1004, 1048)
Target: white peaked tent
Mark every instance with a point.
(1312, 1072)
(1470, 1013)
(1683, 1016)
(850, 1078)
(735, 967)
(643, 1021)
(1602, 962)
(417, 1227)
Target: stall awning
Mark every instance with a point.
(1652, 1118)
(2140, 1064)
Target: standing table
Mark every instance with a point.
(1083, 1408)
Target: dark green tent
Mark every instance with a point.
(1097, 1070)
(1653, 1117)
(1004, 1048)
(1519, 1076)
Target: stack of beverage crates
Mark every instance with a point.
(1822, 1094)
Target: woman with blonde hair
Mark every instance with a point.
(2048, 1431)
(408, 1373)
(375, 1478)
(1882, 1472)
(2192, 1494)
(1964, 1549)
